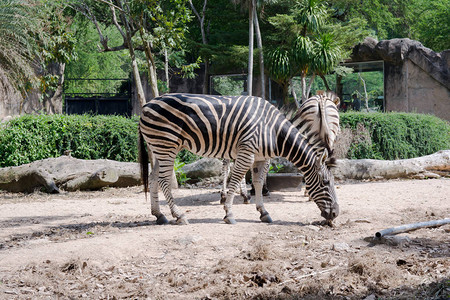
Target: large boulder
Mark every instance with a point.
(203, 168)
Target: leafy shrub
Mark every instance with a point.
(29, 138)
(395, 135)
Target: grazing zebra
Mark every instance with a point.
(247, 129)
(318, 119)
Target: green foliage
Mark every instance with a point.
(187, 157)
(93, 64)
(275, 168)
(396, 135)
(181, 176)
(228, 85)
(29, 138)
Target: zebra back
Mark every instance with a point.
(318, 119)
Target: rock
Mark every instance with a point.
(203, 168)
(340, 247)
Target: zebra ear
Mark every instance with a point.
(337, 101)
(323, 157)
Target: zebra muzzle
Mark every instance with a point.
(331, 213)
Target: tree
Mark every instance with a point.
(142, 25)
(57, 48)
(201, 16)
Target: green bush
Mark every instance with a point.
(29, 138)
(395, 135)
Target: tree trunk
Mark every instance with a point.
(54, 104)
(201, 19)
(325, 82)
(261, 54)
(429, 166)
(303, 83)
(166, 68)
(250, 49)
(294, 94)
(150, 63)
(366, 97)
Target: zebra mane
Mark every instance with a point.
(314, 127)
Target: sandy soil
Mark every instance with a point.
(106, 245)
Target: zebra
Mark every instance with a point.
(247, 129)
(318, 119)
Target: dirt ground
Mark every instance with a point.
(106, 245)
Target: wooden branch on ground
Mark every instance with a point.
(410, 227)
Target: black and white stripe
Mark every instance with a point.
(247, 129)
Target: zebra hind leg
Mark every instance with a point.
(225, 172)
(156, 211)
(259, 172)
(165, 183)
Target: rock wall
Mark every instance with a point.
(416, 78)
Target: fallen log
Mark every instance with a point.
(410, 227)
(421, 167)
(70, 174)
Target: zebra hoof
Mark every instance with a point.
(161, 220)
(231, 221)
(266, 218)
(247, 199)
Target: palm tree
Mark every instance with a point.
(328, 54)
(18, 23)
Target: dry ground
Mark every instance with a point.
(105, 245)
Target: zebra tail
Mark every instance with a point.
(143, 161)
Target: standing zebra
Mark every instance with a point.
(247, 129)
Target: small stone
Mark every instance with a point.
(370, 297)
(340, 247)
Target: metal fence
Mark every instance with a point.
(107, 96)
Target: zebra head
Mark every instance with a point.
(320, 186)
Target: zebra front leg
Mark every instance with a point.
(241, 166)
(259, 172)
(165, 180)
(154, 198)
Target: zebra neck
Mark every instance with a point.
(296, 148)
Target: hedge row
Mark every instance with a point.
(396, 135)
(29, 138)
